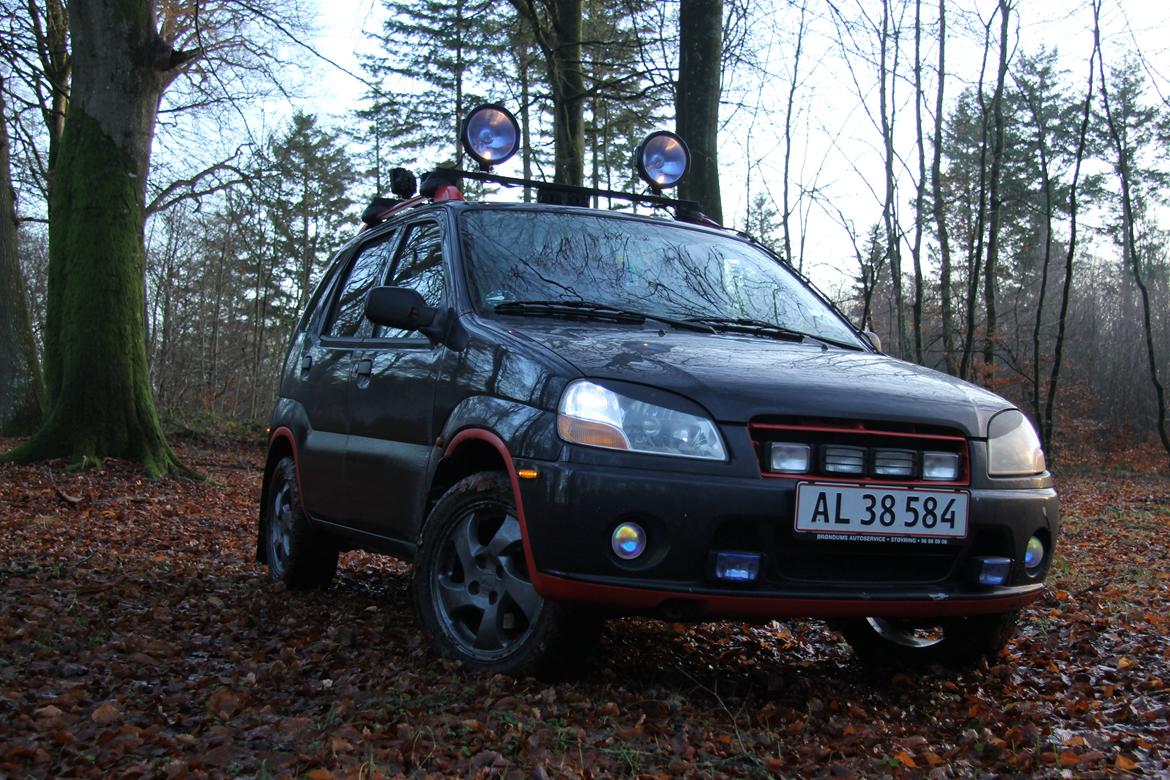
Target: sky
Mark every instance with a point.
(836, 145)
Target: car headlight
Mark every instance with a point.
(1013, 448)
(595, 416)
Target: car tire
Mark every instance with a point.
(297, 554)
(958, 642)
(473, 593)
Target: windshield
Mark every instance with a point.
(658, 269)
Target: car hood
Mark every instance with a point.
(737, 378)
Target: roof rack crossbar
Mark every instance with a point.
(571, 189)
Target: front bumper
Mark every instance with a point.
(571, 509)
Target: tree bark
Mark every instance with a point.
(22, 392)
(95, 345)
(700, 26)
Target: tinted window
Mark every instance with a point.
(419, 266)
(313, 311)
(349, 313)
(656, 268)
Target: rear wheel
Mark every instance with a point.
(956, 642)
(297, 554)
(473, 591)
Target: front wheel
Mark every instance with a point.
(957, 642)
(473, 591)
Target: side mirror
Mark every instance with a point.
(874, 339)
(399, 307)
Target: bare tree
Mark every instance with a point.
(1117, 119)
(1047, 432)
(996, 213)
(21, 389)
(938, 206)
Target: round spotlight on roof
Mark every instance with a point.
(662, 159)
(490, 134)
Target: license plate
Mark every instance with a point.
(871, 511)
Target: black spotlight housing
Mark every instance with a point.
(490, 134)
(662, 160)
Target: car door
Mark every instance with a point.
(329, 364)
(391, 401)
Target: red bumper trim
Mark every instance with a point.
(639, 600)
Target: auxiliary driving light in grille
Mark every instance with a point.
(893, 463)
(844, 460)
(940, 466)
(790, 458)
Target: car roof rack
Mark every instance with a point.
(442, 184)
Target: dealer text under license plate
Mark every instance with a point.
(867, 510)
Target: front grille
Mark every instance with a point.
(859, 450)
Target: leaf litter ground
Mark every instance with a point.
(138, 637)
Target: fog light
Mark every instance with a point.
(1033, 554)
(940, 466)
(737, 566)
(994, 571)
(628, 541)
(790, 458)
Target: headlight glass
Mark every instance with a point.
(595, 416)
(1013, 448)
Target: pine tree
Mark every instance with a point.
(308, 198)
(432, 53)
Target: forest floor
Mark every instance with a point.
(138, 637)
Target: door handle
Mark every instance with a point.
(306, 363)
(364, 367)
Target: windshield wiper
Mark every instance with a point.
(592, 310)
(766, 329)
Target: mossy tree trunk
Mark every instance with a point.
(95, 333)
(700, 44)
(22, 392)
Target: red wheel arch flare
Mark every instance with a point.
(486, 436)
(283, 432)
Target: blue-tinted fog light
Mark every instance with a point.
(1033, 554)
(788, 458)
(994, 571)
(737, 566)
(628, 541)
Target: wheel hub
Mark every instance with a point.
(481, 592)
